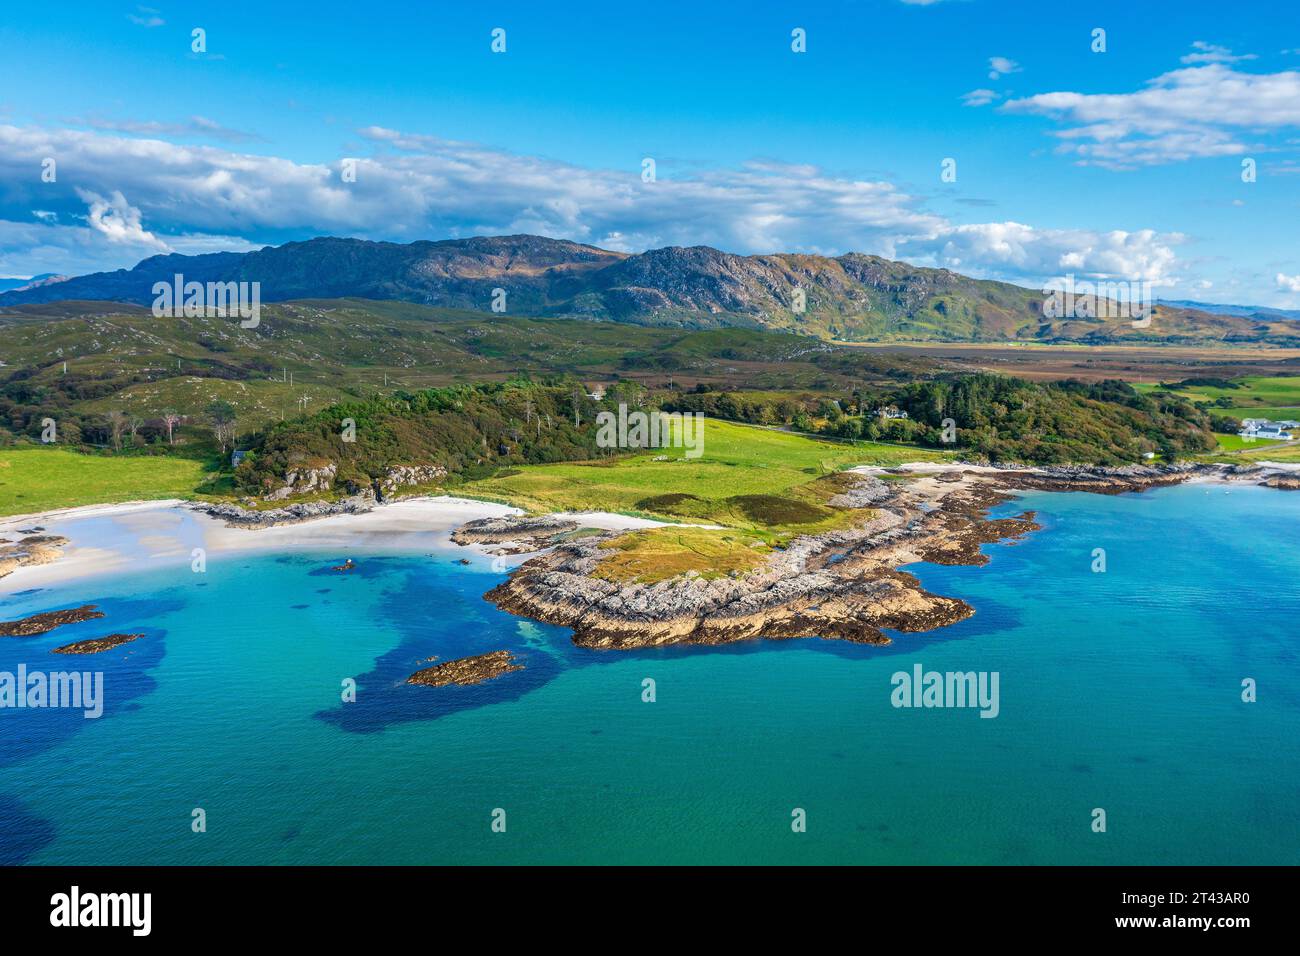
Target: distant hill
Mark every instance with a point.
(1246, 311)
(853, 297)
(79, 360)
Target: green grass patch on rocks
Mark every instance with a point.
(657, 554)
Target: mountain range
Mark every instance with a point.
(852, 297)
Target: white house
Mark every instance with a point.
(1262, 428)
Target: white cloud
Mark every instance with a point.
(1209, 53)
(195, 126)
(1018, 252)
(146, 17)
(117, 220)
(33, 248)
(1288, 283)
(980, 97)
(1000, 66)
(201, 198)
(1184, 114)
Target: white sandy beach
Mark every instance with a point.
(107, 539)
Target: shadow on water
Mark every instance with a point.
(22, 834)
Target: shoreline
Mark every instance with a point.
(119, 538)
(126, 536)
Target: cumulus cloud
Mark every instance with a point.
(118, 221)
(410, 186)
(1015, 251)
(1191, 113)
(1288, 283)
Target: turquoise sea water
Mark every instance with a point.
(1119, 690)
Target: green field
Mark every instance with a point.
(752, 478)
(43, 479)
(1259, 396)
(1237, 443)
(1275, 413)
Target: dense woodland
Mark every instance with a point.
(471, 430)
(992, 416)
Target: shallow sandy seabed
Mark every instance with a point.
(107, 539)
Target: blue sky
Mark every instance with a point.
(1125, 163)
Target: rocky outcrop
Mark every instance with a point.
(1101, 480)
(322, 477)
(304, 481)
(1098, 479)
(467, 670)
(31, 550)
(236, 516)
(97, 645)
(399, 476)
(48, 621)
(515, 534)
(840, 584)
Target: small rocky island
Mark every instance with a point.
(467, 670)
(48, 621)
(97, 645)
